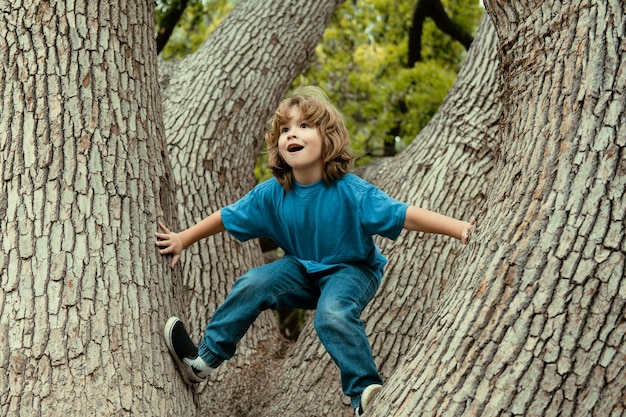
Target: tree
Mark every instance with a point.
(528, 319)
(167, 18)
(182, 25)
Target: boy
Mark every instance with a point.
(324, 219)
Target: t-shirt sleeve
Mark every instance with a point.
(382, 215)
(244, 218)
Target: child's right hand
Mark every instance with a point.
(170, 242)
(465, 234)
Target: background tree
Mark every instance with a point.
(182, 25)
(437, 12)
(167, 16)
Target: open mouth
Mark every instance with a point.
(294, 148)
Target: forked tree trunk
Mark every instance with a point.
(529, 319)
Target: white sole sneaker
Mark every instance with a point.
(182, 349)
(367, 397)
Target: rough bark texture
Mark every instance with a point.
(531, 320)
(216, 104)
(83, 295)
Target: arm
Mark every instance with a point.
(174, 243)
(422, 220)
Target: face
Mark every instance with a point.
(300, 146)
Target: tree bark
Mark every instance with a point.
(216, 104)
(531, 319)
(83, 180)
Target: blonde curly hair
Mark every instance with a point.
(318, 112)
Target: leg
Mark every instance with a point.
(280, 284)
(344, 294)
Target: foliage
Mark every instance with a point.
(362, 60)
(362, 64)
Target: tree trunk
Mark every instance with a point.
(531, 318)
(216, 104)
(447, 168)
(83, 180)
(527, 320)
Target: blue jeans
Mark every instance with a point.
(338, 295)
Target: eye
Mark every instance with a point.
(303, 125)
(284, 129)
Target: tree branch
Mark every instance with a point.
(168, 22)
(435, 10)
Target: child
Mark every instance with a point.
(324, 219)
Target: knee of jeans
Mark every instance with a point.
(251, 286)
(335, 315)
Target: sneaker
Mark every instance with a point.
(366, 398)
(192, 368)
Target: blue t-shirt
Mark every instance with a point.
(322, 225)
